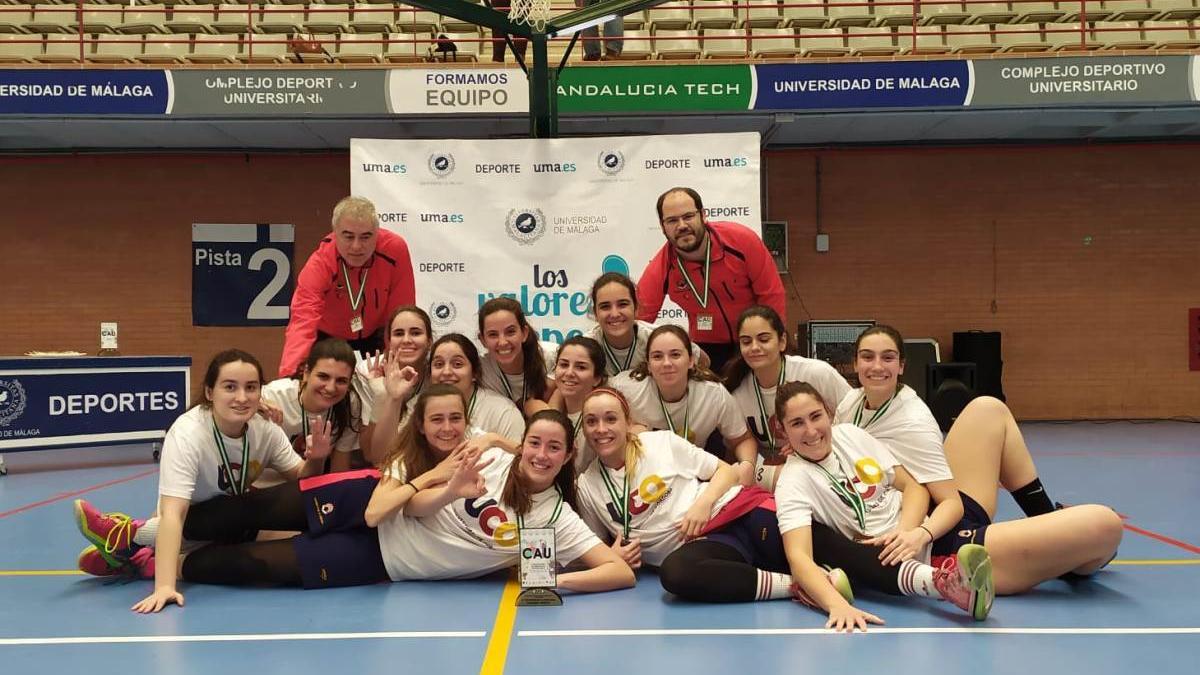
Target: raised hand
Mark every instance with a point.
(318, 444)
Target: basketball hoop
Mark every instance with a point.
(532, 13)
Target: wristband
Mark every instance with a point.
(920, 526)
(413, 486)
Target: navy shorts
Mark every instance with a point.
(756, 537)
(337, 501)
(972, 529)
(339, 549)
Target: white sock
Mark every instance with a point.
(147, 533)
(772, 586)
(916, 578)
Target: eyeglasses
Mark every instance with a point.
(689, 217)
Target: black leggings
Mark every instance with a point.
(860, 562)
(231, 523)
(709, 571)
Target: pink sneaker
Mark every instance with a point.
(143, 562)
(92, 562)
(140, 564)
(111, 533)
(966, 580)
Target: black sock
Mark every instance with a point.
(1033, 499)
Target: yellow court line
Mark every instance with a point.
(1168, 561)
(40, 573)
(506, 616)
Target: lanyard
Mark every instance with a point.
(471, 403)
(355, 300)
(576, 424)
(304, 420)
(611, 354)
(846, 492)
(620, 501)
(508, 386)
(553, 515)
(686, 413)
(688, 280)
(238, 485)
(862, 404)
(763, 416)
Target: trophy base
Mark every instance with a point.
(539, 597)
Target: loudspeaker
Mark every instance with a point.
(951, 386)
(982, 349)
(919, 354)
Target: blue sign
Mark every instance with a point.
(45, 405)
(242, 274)
(890, 84)
(86, 92)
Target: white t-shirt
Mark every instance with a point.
(191, 466)
(493, 378)
(858, 462)
(677, 467)
(583, 452)
(623, 362)
(458, 541)
(909, 430)
(822, 376)
(369, 389)
(493, 412)
(706, 408)
(284, 394)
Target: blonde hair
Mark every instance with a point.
(358, 208)
(633, 444)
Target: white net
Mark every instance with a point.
(533, 13)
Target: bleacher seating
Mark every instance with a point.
(380, 31)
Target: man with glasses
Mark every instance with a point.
(712, 269)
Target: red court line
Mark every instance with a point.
(1163, 538)
(76, 493)
(1154, 535)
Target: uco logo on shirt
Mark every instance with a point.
(443, 313)
(611, 162)
(12, 401)
(525, 226)
(441, 164)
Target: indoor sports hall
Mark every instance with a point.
(1010, 184)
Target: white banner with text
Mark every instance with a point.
(539, 219)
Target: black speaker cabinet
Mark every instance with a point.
(950, 387)
(919, 354)
(982, 349)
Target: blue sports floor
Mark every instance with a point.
(1142, 613)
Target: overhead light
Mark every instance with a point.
(586, 24)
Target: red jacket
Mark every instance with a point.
(321, 302)
(742, 274)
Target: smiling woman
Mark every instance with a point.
(216, 449)
(323, 393)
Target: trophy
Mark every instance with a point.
(538, 571)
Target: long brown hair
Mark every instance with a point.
(412, 448)
(696, 372)
(517, 493)
(534, 365)
(346, 413)
(736, 369)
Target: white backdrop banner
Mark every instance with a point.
(539, 219)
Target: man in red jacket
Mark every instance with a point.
(712, 269)
(350, 285)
